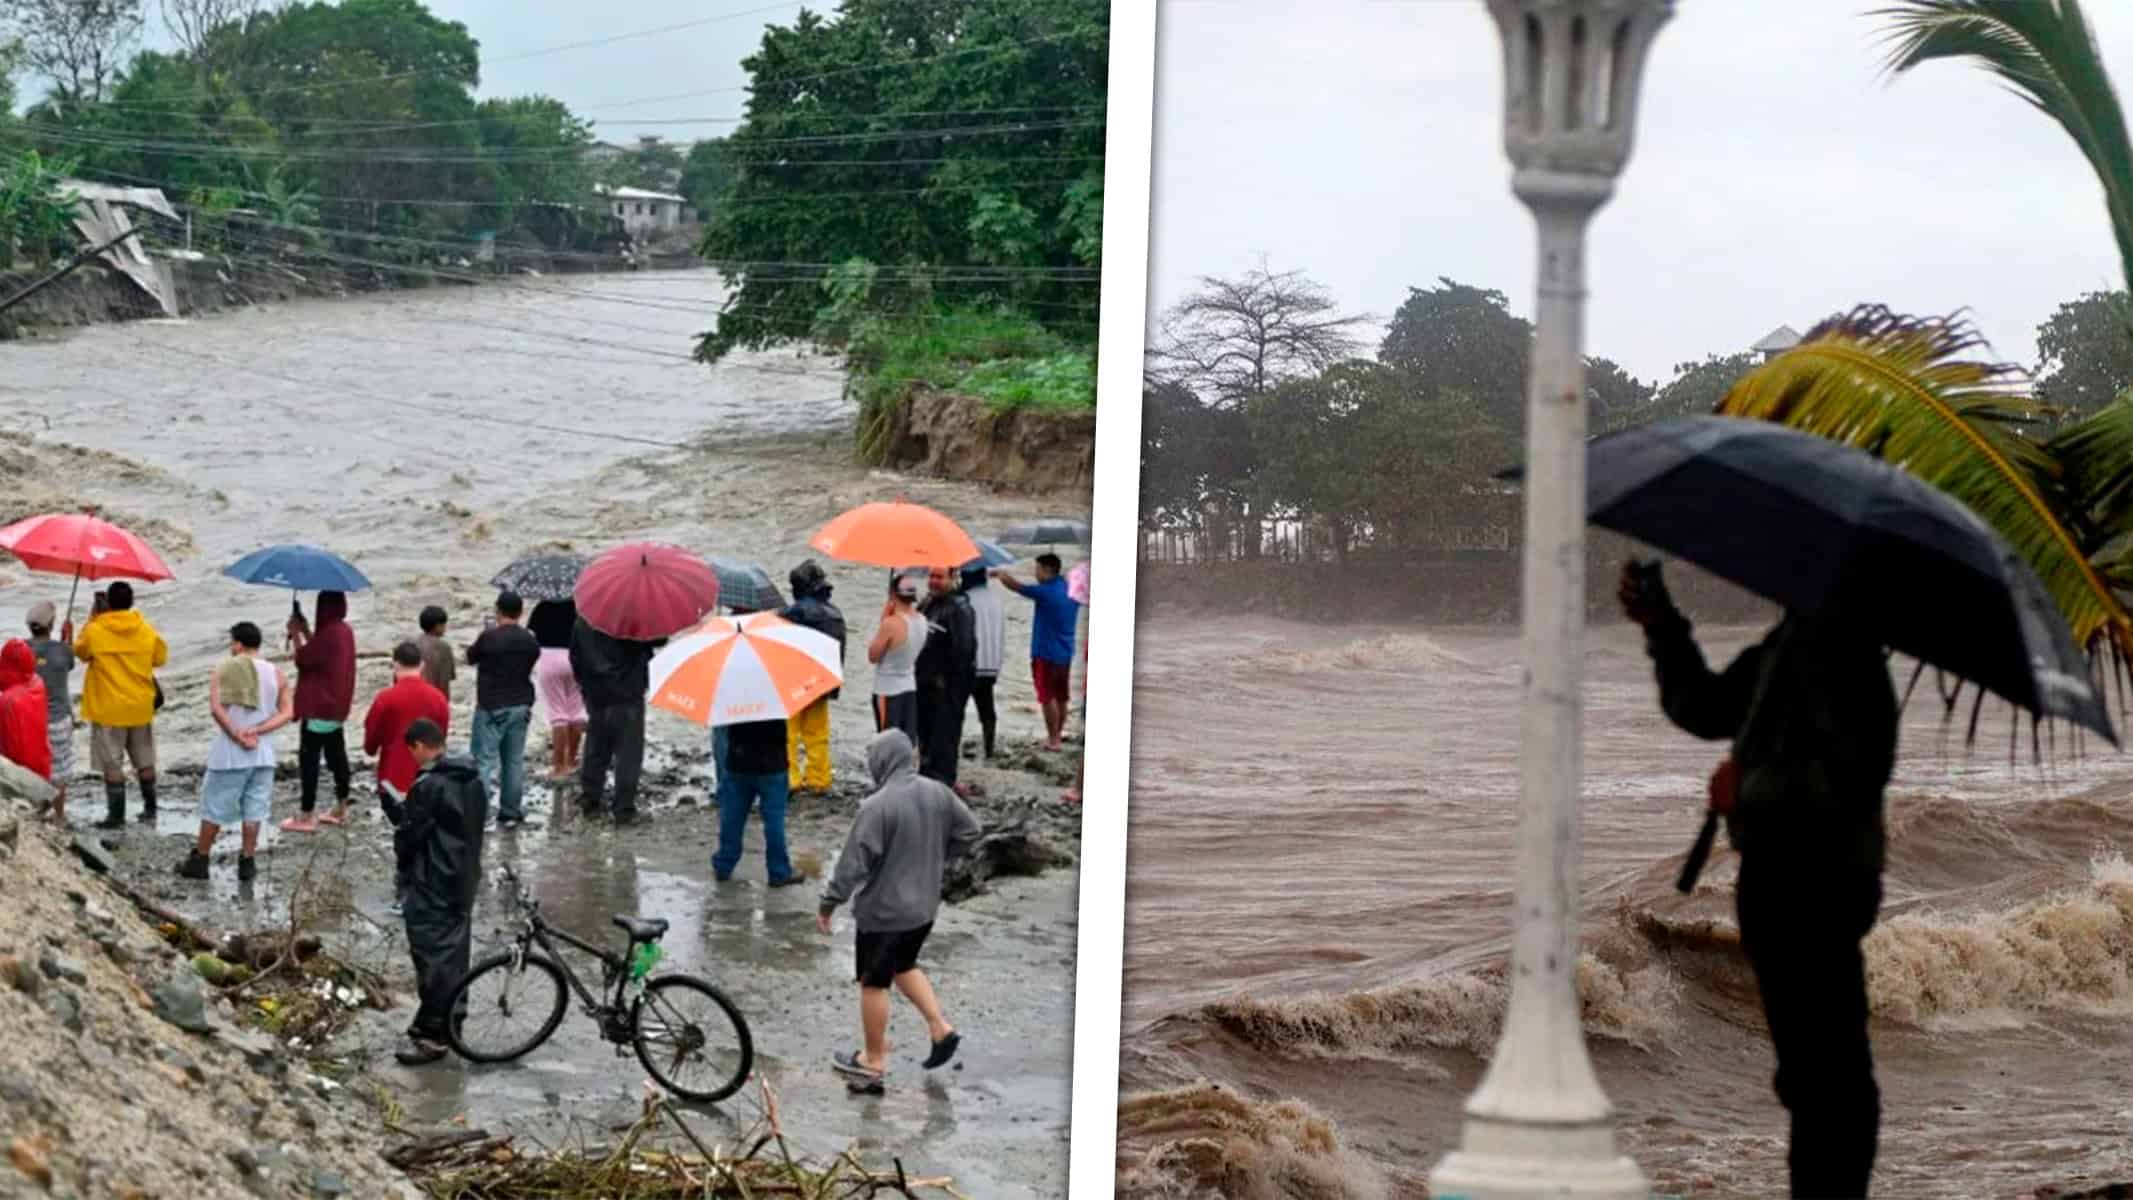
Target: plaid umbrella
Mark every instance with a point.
(542, 577)
(1046, 531)
(745, 585)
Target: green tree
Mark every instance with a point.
(78, 46)
(944, 142)
(1909, 390)
(2084, 355)
(1462, 339)
(1699, 387)
(1613, 396)
(36, 212)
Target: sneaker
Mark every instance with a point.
(303, 824)
(397, 908)
(509, 822)
(626, 816)
(419, 1052)
(944, 1050)
(194, 866)
(793, 880)
(247, 869)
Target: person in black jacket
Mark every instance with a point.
(947, 666)
(807, 734)
(614, 674)
(437, 848)
(1812, 716)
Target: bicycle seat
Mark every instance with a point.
(642, 930)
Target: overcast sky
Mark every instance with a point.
(693, 72)
(1778, 176)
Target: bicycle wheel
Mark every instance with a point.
(683, 1038)
(495, 1005)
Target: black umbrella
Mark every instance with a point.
(1045, 531)
(745, 585)
(1811, 523)
(539, 577)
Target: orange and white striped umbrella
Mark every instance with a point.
(730, 670)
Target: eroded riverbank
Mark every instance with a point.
(431, 438)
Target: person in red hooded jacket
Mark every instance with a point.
(325, 691)
(23, 737)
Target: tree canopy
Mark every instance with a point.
(2085, 352)
(958, 147)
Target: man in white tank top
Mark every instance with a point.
(249, 700)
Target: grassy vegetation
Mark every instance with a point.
(1002, 357)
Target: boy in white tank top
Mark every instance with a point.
(249, 699)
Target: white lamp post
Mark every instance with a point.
(1539, 1125)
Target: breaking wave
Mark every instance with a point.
(1385, 652)
(2067, 952)
(1462, 1011)
(1204, 1140)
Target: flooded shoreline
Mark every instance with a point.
(432, 437)
(1324, 920)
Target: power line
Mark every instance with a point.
(339, 125)
(456, 156)
(296, 89)
(786, 80)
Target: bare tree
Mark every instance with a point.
(79, 45)
(189, 22)
(1237, 338)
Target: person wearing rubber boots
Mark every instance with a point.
(1812, 715)
(437, 849)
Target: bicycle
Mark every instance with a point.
(632, 1008)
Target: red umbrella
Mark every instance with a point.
(644, 591)
(83, 545)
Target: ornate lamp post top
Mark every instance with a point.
(1572, 72)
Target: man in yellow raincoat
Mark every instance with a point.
(119, 698)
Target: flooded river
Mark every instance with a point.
(1318, 910)
(432, 437)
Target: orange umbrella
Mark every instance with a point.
(895, 534)
(759, 667)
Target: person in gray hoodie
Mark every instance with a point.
(900, 845)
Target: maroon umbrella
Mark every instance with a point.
(644, 591)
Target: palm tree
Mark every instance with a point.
(1914, 391)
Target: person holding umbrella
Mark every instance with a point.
(945, 669)
(1846, 544)
(325, 692)
(119, 700)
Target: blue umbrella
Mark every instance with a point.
(299, 568)
(992, 554)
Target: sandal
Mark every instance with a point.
(331, 819)
(846, 1063)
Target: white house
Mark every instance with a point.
(1776, 342)
(644, 212)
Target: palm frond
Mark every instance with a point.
(1902, 388)
(2044, 51)
(2095, 456)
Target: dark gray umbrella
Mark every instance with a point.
(745, 585)
(541, 577)
(1812, 524)
(1045, 531)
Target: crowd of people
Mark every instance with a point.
(933, 657)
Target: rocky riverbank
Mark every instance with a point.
(127, 1075)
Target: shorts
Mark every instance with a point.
(60, 732)
(240, 794)
(1055, 681)
(883, 956)
(112, 747)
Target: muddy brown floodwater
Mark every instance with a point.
(432, 437)
(1322, 916)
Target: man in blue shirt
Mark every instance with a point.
(1051, 642)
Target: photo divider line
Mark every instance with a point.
(1121, 337)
